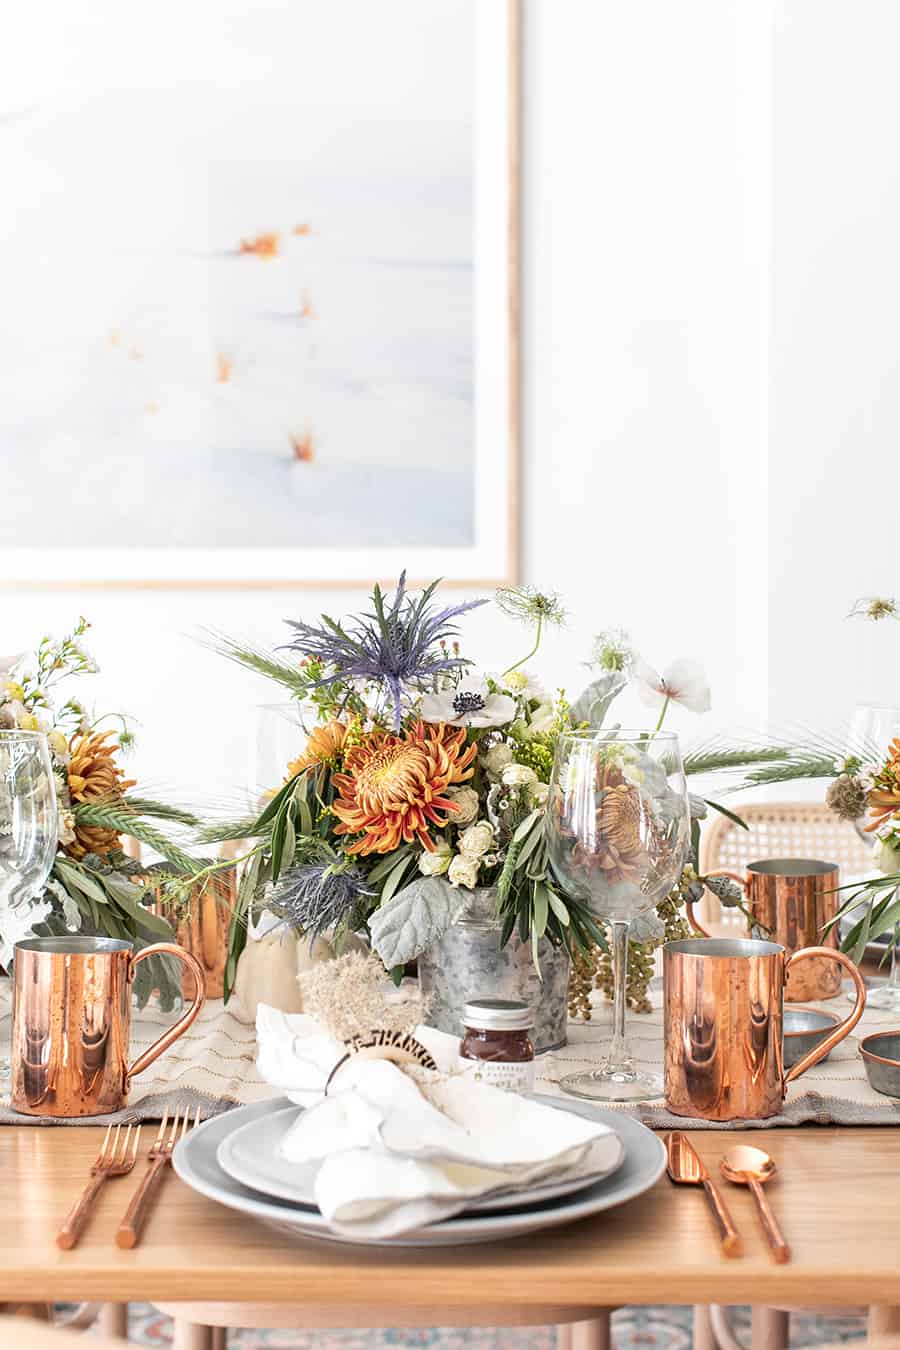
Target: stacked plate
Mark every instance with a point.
(235, 1159)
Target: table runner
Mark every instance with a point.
(213, 1067)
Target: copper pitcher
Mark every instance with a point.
(790, 901)
(72, 1022)
(724, 1005)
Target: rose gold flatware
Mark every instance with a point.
(129, 1231)
(751, 1167)
(117, 1157)
(686, 1167)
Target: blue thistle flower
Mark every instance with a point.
(397, 647)
(315, 897)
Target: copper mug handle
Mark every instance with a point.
(689, 904)
(844, 1028)
(162, 1043)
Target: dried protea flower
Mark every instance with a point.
(847, 797)
(351, 997)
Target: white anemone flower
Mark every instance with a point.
(469, 704)
(681, 682)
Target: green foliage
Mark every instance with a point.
(714, 757)
(289, 674)
(537, 752)
(116, 815)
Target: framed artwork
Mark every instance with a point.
(260, 293)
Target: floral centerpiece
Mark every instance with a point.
(422, 787)
(94, 886)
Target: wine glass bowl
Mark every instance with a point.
(618, 832)
(618, 820)
(28, 833)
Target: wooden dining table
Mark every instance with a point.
(837, 1195)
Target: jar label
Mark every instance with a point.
(512, 1077)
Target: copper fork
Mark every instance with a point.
(117, 1157)
(129, 1230)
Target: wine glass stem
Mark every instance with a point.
(619, 1057)
(894, 980)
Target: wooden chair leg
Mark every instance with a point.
(219, 1338)
(593, 1335)
(703, 1336)
(883, 1321)
(771, 1329)
(191, 1336)
(112, 1320)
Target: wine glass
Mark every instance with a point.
(618, 830)
(28, 835)
(872, 728)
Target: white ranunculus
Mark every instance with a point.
(469, 704)
(465, 799)
(682, 682)
(477, 839)
(496, 759)
(435, 864)
(518, 775)
(463, 871)
(538, 793)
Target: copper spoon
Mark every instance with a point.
(751, 1167)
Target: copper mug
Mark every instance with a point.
(790, 901)
(724, 1005)
(72, 1021)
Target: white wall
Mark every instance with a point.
(835, 432)
(707, 433)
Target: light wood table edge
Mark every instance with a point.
(427, 1287)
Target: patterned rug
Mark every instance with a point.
(633, 1329)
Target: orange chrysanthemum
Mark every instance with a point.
(393, 787)
(94, 776)
(325, 743)
(884, 798)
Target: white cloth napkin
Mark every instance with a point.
(401, 1148)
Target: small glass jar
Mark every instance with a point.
(498, 1038)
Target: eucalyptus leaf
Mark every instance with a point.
(394, 879)
(414, 919)
(290, 841)
(528, 824)
(558, 906)
(533, 841)
(74, 876)
(128, 897)
(541, 906)
(387, 864)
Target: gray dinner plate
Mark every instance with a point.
(251, 1154)
(645, 1159)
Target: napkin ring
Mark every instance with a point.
(400, 1047)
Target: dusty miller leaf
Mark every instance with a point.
(414, 918)
(593, 705)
